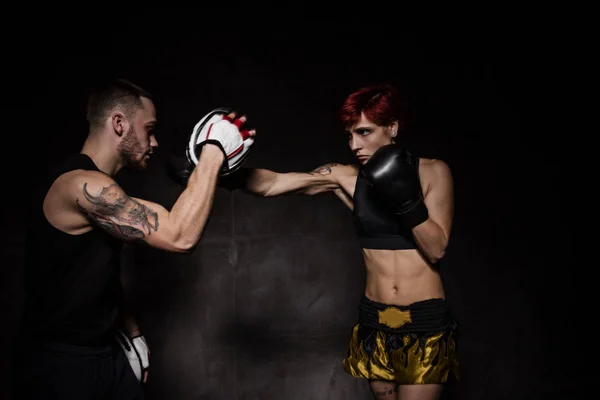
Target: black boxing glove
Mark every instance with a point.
(395, 179)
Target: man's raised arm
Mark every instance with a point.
(131, 219)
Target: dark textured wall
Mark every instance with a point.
(264, 307)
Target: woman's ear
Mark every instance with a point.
(394, 128)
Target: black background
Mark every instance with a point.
(264, 307)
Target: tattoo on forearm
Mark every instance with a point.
(323, 170)
(119, 214)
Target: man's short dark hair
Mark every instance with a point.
(119, 93)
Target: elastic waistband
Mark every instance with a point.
(422, 316)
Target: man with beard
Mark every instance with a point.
(78, 222)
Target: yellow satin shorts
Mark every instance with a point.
(414, 344)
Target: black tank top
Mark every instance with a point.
(72, 282)
(375, 225)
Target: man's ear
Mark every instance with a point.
(119, 123)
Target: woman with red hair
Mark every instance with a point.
(404, 342)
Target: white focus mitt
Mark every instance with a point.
(217, 128)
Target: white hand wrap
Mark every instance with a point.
(137, 353)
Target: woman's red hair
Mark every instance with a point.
(381, 104)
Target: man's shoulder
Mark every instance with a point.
(77, 161)
(78, 180)
(63, 172)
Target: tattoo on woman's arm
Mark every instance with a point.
(119, 214)
(323, 170)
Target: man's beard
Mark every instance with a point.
(130, 150)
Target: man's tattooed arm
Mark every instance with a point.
(114, 211)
